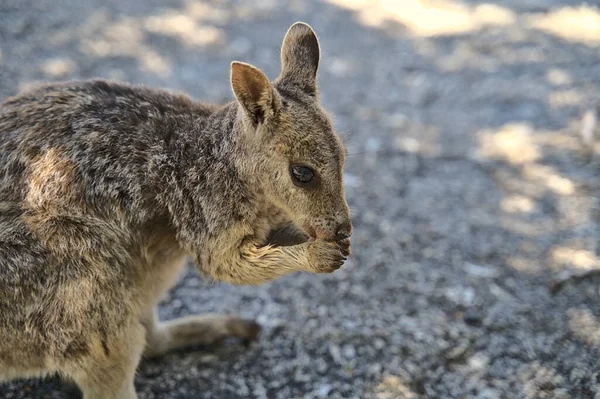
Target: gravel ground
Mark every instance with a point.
(468, 184)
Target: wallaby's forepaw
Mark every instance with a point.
(326, 256)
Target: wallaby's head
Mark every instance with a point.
(295, 156)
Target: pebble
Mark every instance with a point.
(324, 390)
(349, 352)
(472, 317)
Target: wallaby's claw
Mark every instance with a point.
(345, 246)
(246, 329)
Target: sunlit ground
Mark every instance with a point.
(441, 17)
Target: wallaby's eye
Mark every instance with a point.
(302, 175)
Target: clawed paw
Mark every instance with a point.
(326, 256)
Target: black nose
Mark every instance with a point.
(344, 231)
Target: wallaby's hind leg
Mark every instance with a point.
(189, 331)
(109, 373)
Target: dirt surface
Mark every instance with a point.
(470, 190)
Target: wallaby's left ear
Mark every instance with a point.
(300, 54)
(254, 91)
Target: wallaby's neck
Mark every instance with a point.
(222, 131)
(204, 184)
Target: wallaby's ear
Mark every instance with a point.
(300, 55)
(253, 91)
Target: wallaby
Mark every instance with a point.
(106, 190)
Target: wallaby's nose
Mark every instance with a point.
(344, 231)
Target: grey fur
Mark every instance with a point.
(107, 189)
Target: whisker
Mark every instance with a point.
(361, 209)
(281, 229)
(346, 136)
(358, 223)
(367, 152)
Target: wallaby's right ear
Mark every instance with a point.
(300, 54)
(253, 91)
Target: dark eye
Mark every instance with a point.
(302, 174)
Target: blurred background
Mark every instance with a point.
(471, 186)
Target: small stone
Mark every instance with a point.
(321, 366)
(479, 361)
(577, 375)
(379, 343)
(375, 369)
(457, 353)
(349, 352)
(472, 317)
(488, 393)
(177, 303)
(469, 295)
(480, 270)
(561, 394)
(324, 390)
(300, 376)
(464, 296)
(335, 353)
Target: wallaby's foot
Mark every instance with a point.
(206, 330)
